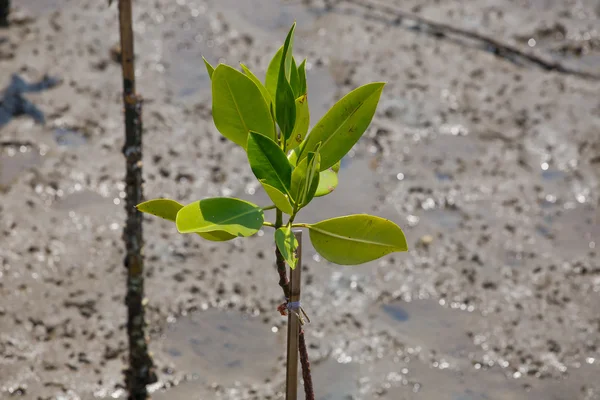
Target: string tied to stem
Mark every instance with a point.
(296, 308)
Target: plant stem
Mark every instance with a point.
(300, 225)
(269, 224)
(4, 11)
(271, 207)
(280, 261)
(141, 367)
(309, 392)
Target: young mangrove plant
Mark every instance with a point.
(270, 121)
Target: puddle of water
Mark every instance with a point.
(14, 163)
(223, 347)
(69, 138)
(425, 383)
(553, 175)
(427, 324)
(334, 381)
(574, 230)
(444, 218)
(183, 50)
(189, 390)
(83, 199)
(41, 7)
(269, 15)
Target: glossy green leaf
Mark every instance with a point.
(258, 83)
(239, 106)
(295, 80)
(268, 162)
(328, 181)
(285, 102)
(168, 209)
(287, 244)
(273, 73)
(342, 126)
(293, 156)
(209, 68)
(302, 78)
(302, 123)
(356, 239)
(234, 216)
(281, 201)
(305, 180)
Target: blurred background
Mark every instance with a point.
(485, 149)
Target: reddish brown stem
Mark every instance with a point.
(306, 375)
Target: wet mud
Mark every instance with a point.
(491, 167)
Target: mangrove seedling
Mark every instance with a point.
(270, 121)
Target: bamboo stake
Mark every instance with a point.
(291, 383)
(141, 367)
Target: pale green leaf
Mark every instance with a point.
(356, 239)
(302, 89)
(272, 75)
(268, 162)
(293, 156)
(209, 68)
(295, 79)
(336, 166)
(302, 123)
(342, 126)
(305, 180)
(239, 106)
(287, 244)
(328, 181)
(281, 201)
(168, 209)
(234, 216)
(258, 83)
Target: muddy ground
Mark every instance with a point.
(490, 163)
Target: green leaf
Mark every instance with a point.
(336, 166)
(342, 126)
(281, 201)
(268, 162)
(305, 180)
(287, 245)
(209, 68)
(328, 181)
(293, 156)
(258, 83)
(295, 80)
(239, 106)
(285, 102)
(234, 216)
(356, 239)
(302, 78)
(168, 209)
(273, 73)
(302, 122)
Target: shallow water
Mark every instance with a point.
(223, 347)
(16, 160)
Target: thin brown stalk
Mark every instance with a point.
(309, 392)
(141, 371)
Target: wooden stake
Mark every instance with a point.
(294, 325)
(141, 371)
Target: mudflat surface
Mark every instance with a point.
(489, 163)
